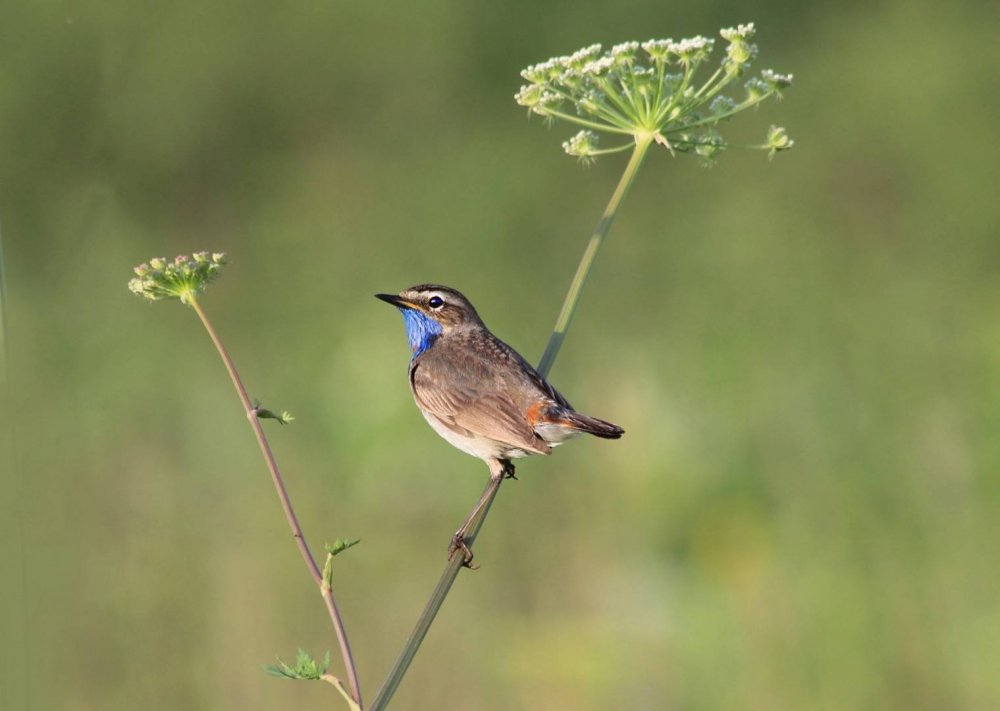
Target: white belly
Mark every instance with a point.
(481, 447)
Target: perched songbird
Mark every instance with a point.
(479, 393)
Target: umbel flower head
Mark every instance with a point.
(648, 92)
(180, 279)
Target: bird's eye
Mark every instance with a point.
(435, 302)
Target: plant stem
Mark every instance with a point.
(402, 663)
(433, 605)
(286, 504)
(339, 686)
(642, 145)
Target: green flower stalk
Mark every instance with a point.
(643, 94)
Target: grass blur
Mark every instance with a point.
(804, 510)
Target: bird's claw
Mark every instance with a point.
(458, 544)
(507, 469)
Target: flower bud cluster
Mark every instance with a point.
(177, 279)
(778, 140)
(582, 145)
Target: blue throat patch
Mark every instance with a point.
(421, 330)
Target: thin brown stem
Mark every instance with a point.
(286, 504)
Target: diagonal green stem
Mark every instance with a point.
(642, 145)
(402, 663)
(286, 504)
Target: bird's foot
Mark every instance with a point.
(507, 469)
(458, 544)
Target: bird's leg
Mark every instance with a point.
(500, 469)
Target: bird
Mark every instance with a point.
(479, 394)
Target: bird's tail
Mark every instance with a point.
(592, 425)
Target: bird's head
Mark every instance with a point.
(430, 310)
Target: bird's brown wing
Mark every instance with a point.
(543, 385)
(472, 406)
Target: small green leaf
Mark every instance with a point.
(280, 670)
(306, 668)
(340, 545)
(263, 413)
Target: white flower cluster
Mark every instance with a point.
(778, 81)
(629, 91)
(740, 32)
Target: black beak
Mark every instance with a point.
(395, 300)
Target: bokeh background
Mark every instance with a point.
(805, 353)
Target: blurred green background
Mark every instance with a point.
(804, 512)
